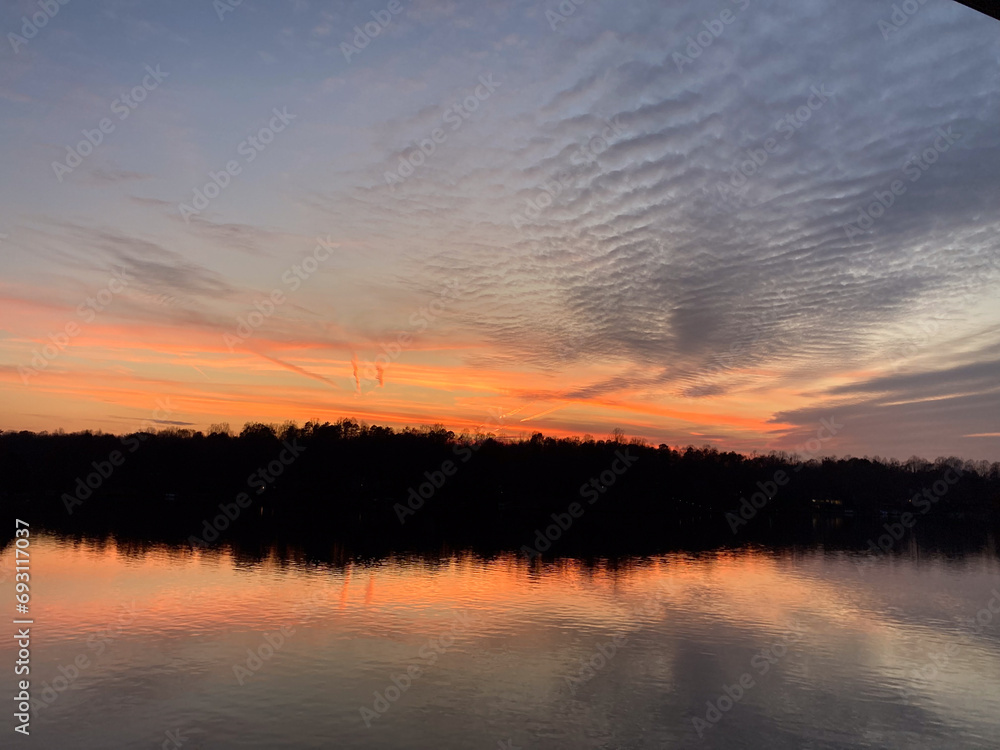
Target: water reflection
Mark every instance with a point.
(279, 646)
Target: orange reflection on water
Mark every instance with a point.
(692, 620)
(219, 589)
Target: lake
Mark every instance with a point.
(150, 646)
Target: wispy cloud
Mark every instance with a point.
(613, 263)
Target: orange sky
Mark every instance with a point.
(111, 375)
(584, 245)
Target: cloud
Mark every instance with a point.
(639, 256)
(100, 176)
(628, 233)
(298, 370)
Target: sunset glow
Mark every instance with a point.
(562, 250)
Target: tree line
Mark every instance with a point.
(411, 484)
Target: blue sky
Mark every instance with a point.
(609, 263)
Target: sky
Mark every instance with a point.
(756, 225)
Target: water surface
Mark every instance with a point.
(794, 649)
